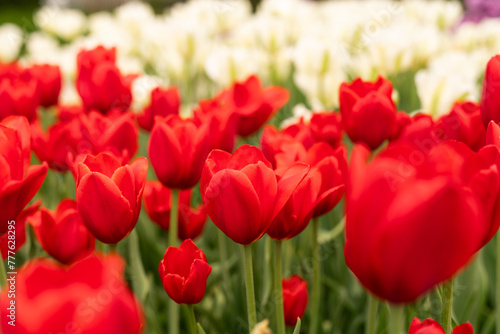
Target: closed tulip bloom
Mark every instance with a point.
(158, 202)
(19, 181)
(253, 104)
(91, 296)
(99, 81)
(239, 193)
(18, 231)
(368, 112)
(295, 215)
(184, 271)
(405, 198)
(462, 123)
(490, 95)
(430, 326)
(327, 127)
(108, 195)
(164, 102)
(19, 95)
(177, 149)
(295, 298)
(62, 233)
(50, 82)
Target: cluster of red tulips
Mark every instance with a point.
(422, 195)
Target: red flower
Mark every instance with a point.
(49, 79)
(108, 195)
(99, 81)
(327, 127)
(164, 102)
(19, 181)
(19, 93)
(253, 104)
(294, 298)
(490, 96)
(405, 198)
(463, 123)
(177, 150)
(430, 326)
(222, 124)
(184, 271)
(158, 203)
(295, 215)
(62, 233)
(368, 112)
(18, 232)
(91, 296)
(91, 133)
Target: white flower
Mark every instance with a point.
(11, 40)
(225, 64)
(66, 24)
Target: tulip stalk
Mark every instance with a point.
(280, 315)
(191, 319)
(3, 273)
(316, 288)
(447, 306)
(396, 323)
(251, 309)
(371, 315)
(173, 307)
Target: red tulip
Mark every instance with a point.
(99, 81)
(17, 233)
(19, 94)
(239, 193)
(184, 271)
(49, 79)
(295, 215)
(253, 104)
(327, 127)
(490, 96)
(164, 102)
(294, 298)
(108, 195)
(368, 112)
(222, 124)
(91, 133)
(177, 150)
(463, 123)
(405, 198)
(62, 233)
(158, 203)
(90, 297)
(19, 181)
(430, 326)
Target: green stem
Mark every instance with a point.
(396, 319)
(316, 288)
(224, 262)
(174, 212)
(371, 315)
(447, 306)
(497, 289)
(252, 313)
(112, 248)
(173, 307)
(3, 273)
(191, 319)
(280, 316)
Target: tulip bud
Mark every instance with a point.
(430, 326)
(295, 298)
(490, 95)
(184, 271)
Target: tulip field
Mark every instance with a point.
(320, 167)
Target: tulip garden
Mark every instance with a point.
(299, 167)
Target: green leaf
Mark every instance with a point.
(200, 329)
(297, 326)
